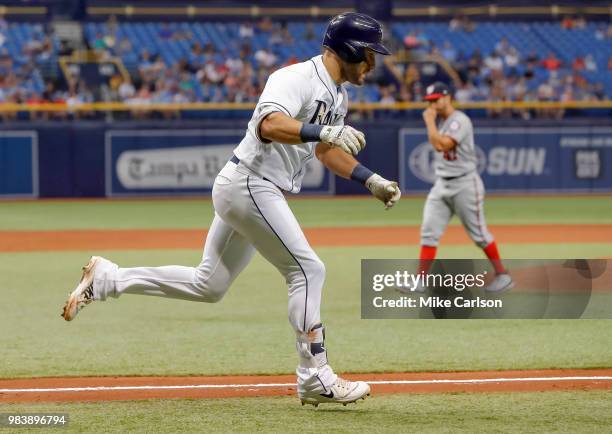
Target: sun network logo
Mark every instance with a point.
(500, 160)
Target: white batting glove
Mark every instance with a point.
(344, 137)
(386, 191)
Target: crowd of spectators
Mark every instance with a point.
(211, 73)
(505, 74)
(20, 70)
(207, 74)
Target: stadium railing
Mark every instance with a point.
(119, 106)
(486, 10)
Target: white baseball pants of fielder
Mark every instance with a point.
(463, 196)
(250, 214)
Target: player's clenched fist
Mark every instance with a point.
(344, 137)
(429, 114)
(386, 191)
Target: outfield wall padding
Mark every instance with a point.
(152, 158)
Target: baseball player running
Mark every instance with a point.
(458, 188)
(300, 114)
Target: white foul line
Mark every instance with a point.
(186, 386)
(488, 380)
(264, 385)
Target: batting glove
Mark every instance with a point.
(386, 191)
(344, 137)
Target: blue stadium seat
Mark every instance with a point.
(527, 37)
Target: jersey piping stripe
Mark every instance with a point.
(279, 106)
(478, 209)
(330, 92)
(285, 246)
(303, 165)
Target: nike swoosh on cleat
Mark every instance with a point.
(327, 395)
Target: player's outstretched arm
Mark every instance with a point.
(347, 167)
(279, 127)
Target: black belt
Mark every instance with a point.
(236, 160)
(450, 178)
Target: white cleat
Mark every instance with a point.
(502, 282)
(83, 293)
(341, 392)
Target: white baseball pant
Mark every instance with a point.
(250, 213)
(463, 196)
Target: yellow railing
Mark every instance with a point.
(491, 10)
(122, 107)
(22, 10)
(205, 11)
(191, 11)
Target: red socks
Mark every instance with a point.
(428, 254)
(493, 255)
(426, 257)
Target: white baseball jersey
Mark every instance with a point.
(306, 92)
(462, 159)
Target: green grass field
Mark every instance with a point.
(151, 214)
(149, 335)
(248, 332)
(563, 412)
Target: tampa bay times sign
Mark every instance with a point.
(141, 162)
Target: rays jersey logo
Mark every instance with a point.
(322, 116)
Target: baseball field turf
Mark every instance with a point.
(43, 244)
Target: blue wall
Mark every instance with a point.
(18, 164)
(80, 159)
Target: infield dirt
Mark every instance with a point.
(142, 239)
(134, 388)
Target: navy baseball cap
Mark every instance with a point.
(436, 90)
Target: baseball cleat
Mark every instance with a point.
(341, 392)
(83, 293)
(502, 282)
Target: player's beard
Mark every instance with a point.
(354, 73)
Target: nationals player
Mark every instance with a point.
(458, 188)
(300, 115)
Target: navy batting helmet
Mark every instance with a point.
(350, 34)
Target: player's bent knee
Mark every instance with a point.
(315, 267)
(309, 272)
(210, 290)
(214, 296)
